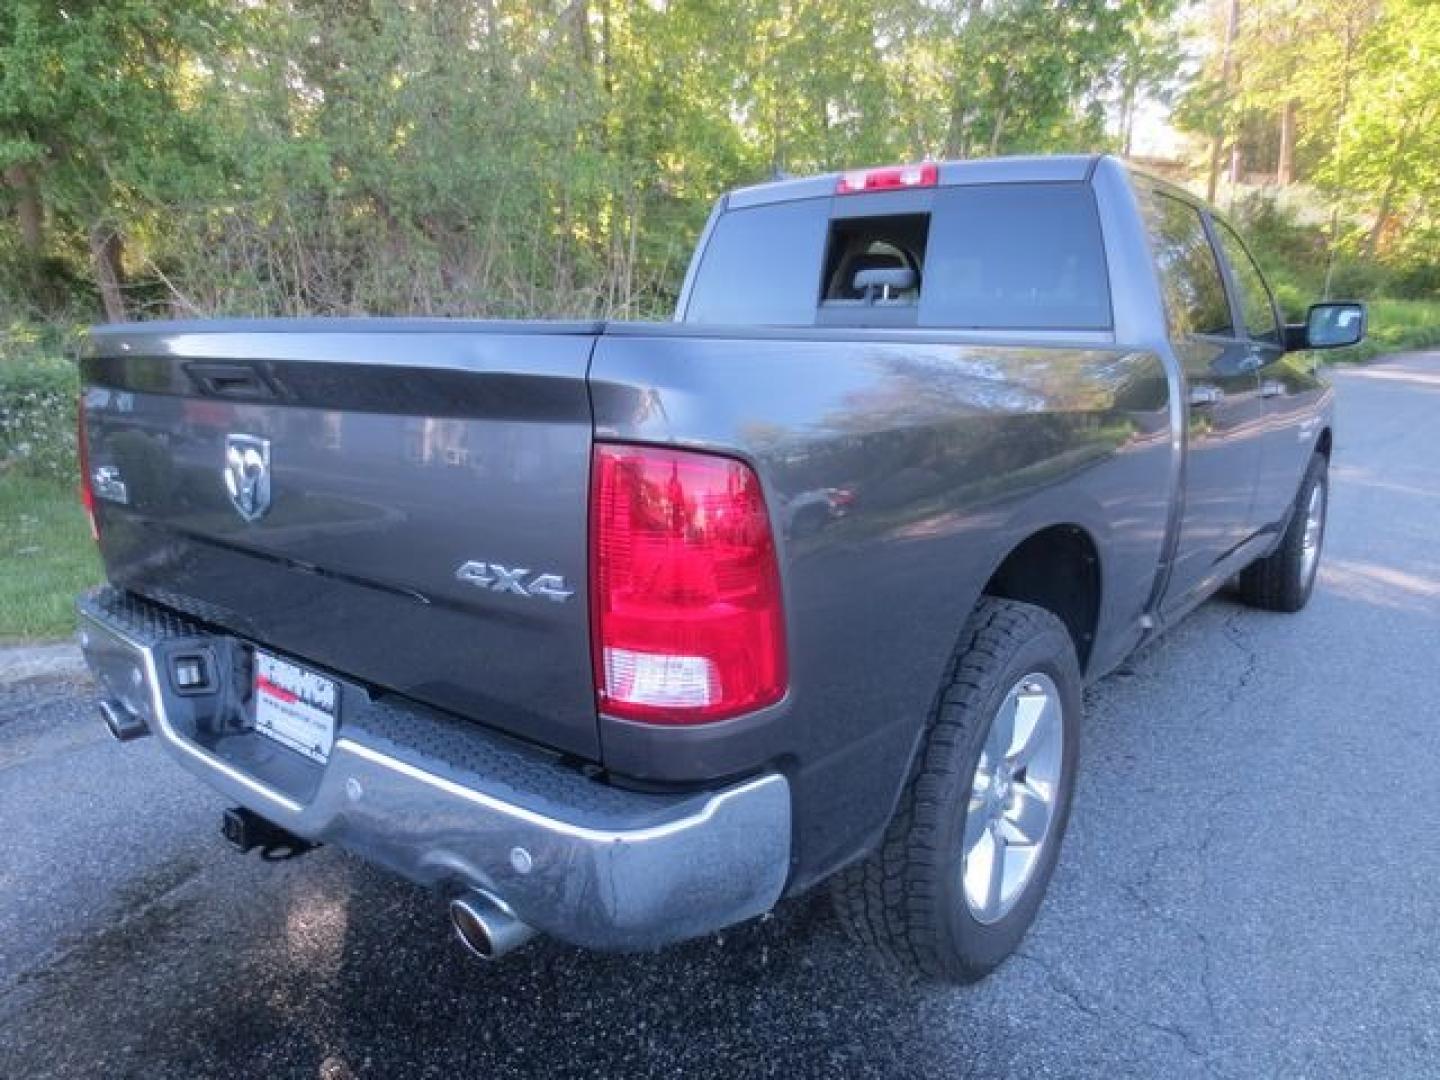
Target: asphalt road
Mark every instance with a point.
(1250, 886)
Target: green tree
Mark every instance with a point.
(1387, 160)
(95, 121)
(994, 76)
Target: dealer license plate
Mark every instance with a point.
(295, 706)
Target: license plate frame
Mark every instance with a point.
(294, 706)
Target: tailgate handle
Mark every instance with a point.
(230, 380)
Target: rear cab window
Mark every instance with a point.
(1020, 256)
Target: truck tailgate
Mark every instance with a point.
(318, 487)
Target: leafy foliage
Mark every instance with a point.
(1343, 96)
(37, 417)
(558, 157)
(492, 157)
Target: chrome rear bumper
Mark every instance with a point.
(447, 803)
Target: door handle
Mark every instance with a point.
(1272, 388)
(231, 380)
(1255, 359)
(1202, 397)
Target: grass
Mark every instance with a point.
(46, 557)
(1395, 325)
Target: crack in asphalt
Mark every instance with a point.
(1062, 988)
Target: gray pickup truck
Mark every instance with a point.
(624, 632)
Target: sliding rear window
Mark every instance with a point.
(990, 257)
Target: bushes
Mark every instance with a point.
(1291, 247)
(1352, 280)
(1276, 234)
(1416, 280)
(37, 405)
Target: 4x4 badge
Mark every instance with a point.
(518, 582)
(247, 474)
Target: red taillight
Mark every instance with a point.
(926, 174)
(685, 590)
(82, 454)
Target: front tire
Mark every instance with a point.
(964, 864)
(1284, 579)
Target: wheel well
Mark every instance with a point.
(1057, 569)
(1323, 446)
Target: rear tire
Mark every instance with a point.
(926, 900)
(1284, 579)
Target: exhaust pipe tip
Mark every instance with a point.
(486, 926)
(122, 724)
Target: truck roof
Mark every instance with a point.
(1036, 168)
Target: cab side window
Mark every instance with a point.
(1256, 305)
(1189, 271)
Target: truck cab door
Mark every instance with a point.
(1287, 385)
(1223, 409)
